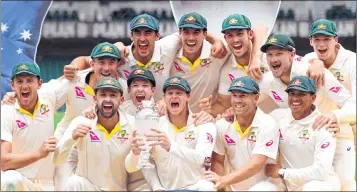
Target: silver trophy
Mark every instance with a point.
(146, 118)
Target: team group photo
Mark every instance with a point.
(178, 95)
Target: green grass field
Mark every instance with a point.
(58, 117)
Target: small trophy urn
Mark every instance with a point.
(207, 163)
(146, 119)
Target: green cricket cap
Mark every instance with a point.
(282, 41)
(236, 21)
(145, 20)
(140, 73)
(323, 26)
(105, 50)
(178, 82)
(302, 83)
(245, 84)
(26, 67)
(192, 20)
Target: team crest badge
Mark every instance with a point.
(158, 67)
(141, 21)
(321, 26)
(339, 76)
(233, 21)
(122, 136)
(22, 67)
(108, 82)
(139, 71)
(272, 40)
(44, 109)
(239, 84)
(297, 82)
(190, 19)
(174, 80)
(190, 136)
(304, 137)
(205, 62)
(106, 48)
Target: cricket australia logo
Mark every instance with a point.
(338, 76)
(252, 138)
(158, 67)
(304, 136)
(205, 62)
(190, 136)
(123, 136)
(44, 109)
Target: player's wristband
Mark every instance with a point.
(281, 173)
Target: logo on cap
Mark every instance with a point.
(106, 48)
(141, 21)
(108, 82)
(190, 19)
(321, 26)
(23, 67)
(297, 82)
(174, 80)
(272, 40)
(239, 84)
(232, 21)
(139, 71)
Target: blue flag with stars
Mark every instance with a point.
(21, 23)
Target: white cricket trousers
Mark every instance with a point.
(64, 172)
(13, 180)
(345, 163)
(78, 183)
(202, 185)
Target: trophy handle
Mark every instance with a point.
(259, 12)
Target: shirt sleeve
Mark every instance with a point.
(219, 147)
(7, 122)
(338, 93)
(60, 88)
(66, 143)
(353, 76)
(224, 80)
(324, 153)
(268, 139)
(152, 178)
(170, 44)
(205, 143)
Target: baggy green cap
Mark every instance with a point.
(105, 50)
(282, 41)
(109, 82)
(140, 73)
(245, 84)
(323, 26)
(178, 82)
(145, 20)
(302, 83)
(236, 21)
(26, 67)
(192, 20)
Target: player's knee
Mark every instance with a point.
(74, 183)
(204, 185)
(264, 186)
(10, 180)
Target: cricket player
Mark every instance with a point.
(333, 100)
(194, 61)
(342, 63)
(27, 129)
(102, 143)
(306, 155)
(179, 146)
(238, 36)
(247, 143)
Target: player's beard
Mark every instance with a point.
(107, 114)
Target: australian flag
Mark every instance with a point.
(21, 23)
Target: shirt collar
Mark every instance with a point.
(256, 119)
(23, 111)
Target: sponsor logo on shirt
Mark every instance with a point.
(276, 96)
(44, 109)
(178, 68)
(325, 145)
(231, 77)
(20, 124)
(298, 58)
(280, 135)
(269, 143)
(229, 140)
(304, 136)
(335, 89)
(79, 93)
(122, 136)
(158, 68)
(205, 62)
(93, 137)
(126, 73)
(209, 138)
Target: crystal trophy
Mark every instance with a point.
(146, 118)
(207, 163)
